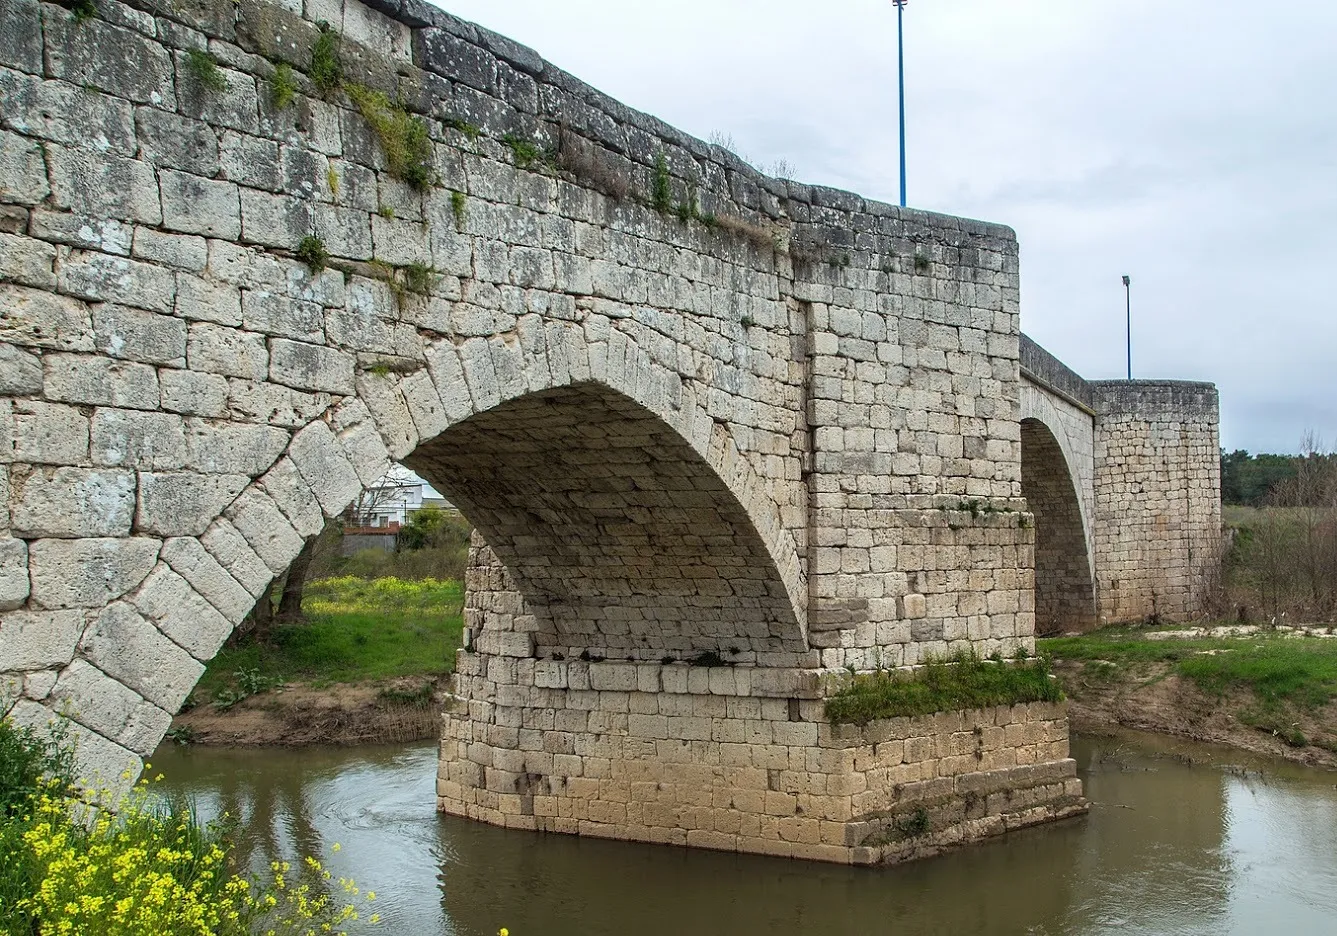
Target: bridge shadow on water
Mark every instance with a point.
(1170, 847)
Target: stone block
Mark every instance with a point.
(43, 320)
(108, 57)
(193, 394)
(21, 36)
(177, 142)
(183, 503)
(127, 647)
(104, 235)
(205, 300)
(28, 261)
(136, 335)
(451, 57)
(258, 518)
(184, 251)
(366, 450)
(48, 433)
(136, 439)
(266, 311)
(325, 468)
(195, 205)
(72, 502)
(99, 764)
(23, 177)
(193, 562)
(98, 381)
(219, 350)
(87, 573)
(13, 573)
(284, 484)
(310, 367)
(252, 401)
(113, 710)
(230, 549)
(31, 640)
(275, 220)
(218, 447)
(103, 185)
(180, 612)
(20, 372)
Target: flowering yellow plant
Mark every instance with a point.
(147, 868)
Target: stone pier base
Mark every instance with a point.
(739, 759)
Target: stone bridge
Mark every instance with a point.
(721, 435)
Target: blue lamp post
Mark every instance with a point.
(900, 55)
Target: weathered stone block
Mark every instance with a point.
(275, 220)
(438, 51)
(101, 764)
(103, 185)
(284, 484)
(68, 114)
(20, 372)
(180, 612)
(184, 251)
(196, 205)
(98, 381)
(233, 448)
(324, 467)
(266, 311)
(219, 350)
(23, 176)
(113, 710)
(46, 433)
(13, 573)
(87, 573)
(177, 142)
(136, 439)
(200, 299)
(107, 57)
(125, 646)
(258, 518)
(31, 640)
(193, 562)
(43, 320)
(72, 502)
(193, 394)
(105, 235)
(102, 278)
(310, 367)
(182, 503)
(28, 261)
(21, 36)
(233, 553)
(136, 335)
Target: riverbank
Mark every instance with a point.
(1268, 692)
(367, 663)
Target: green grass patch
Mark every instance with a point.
(282, 86)
(205, 70)
(326, 70)
(404, 137)
(355, 630)
(963, 682)
(1300, 671)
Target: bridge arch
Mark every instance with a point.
(1054, 483)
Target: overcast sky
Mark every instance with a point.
(1190, 144)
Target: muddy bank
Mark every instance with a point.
(386, 711)
(1152, 698)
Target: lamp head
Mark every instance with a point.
(1126, 280)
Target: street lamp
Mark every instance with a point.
(1128, 308)
(900, 57)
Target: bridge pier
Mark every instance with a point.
(733, 757)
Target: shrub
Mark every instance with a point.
(143, 868)
(403, 136)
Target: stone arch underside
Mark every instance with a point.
(622, 539)
(1064, 586)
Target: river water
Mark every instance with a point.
(1181, 839)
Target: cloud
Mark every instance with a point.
(1191, 145)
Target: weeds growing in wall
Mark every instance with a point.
(282, 86)
(403, 136)
(312, 252)
(961, 682)
(326, 69)
(205, 71)
(81, 11)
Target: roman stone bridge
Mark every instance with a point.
(722, 436)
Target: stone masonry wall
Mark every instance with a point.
(1158, 498)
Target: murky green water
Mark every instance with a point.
(1181, 839)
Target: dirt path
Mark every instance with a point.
(394, 710)
(1151, 698)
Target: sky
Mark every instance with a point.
(1191, 145)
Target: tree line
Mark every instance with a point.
(1258, 480)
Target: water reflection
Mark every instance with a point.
(1181, 840)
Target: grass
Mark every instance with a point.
(312, 252)
(963, 682)
(355, 630)
(1292, 670)
(403, 136)
(205, 70)
(527, 153)
(661, 192)
(282, 86)
(81, 11)
(326, 69)
(459, 207)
